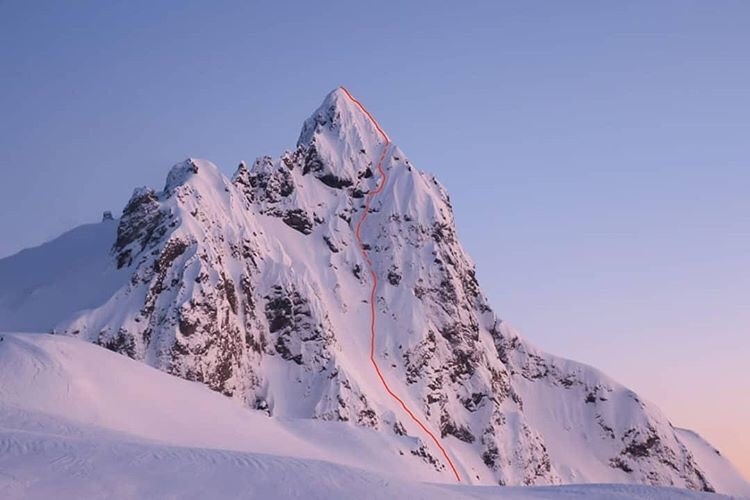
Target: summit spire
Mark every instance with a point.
(341, 139)
(341, 112)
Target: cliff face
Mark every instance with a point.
(256, 286)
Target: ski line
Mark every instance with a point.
(368, 199)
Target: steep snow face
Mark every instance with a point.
(257, 288)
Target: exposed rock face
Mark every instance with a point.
(256, 287)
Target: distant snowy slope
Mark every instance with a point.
(718, 469)
(77, 421)
(42, 285)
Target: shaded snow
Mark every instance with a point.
(41, 286)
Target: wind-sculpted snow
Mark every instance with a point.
(256, 287)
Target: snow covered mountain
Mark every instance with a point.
(257, 287)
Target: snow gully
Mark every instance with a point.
(368, 200)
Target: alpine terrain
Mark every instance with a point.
(259, 287)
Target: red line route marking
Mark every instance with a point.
(370, 195)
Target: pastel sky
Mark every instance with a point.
(597, 153)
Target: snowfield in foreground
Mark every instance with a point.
(77, 421)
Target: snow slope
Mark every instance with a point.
(718, 468)
(77, 421)
(70, 381)
(40, 286)
(255, 286)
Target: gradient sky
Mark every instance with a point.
(597, 153)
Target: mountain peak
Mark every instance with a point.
(180, 173)
(343, 117)
(341, 140)
(280, 288)
(201, 174)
